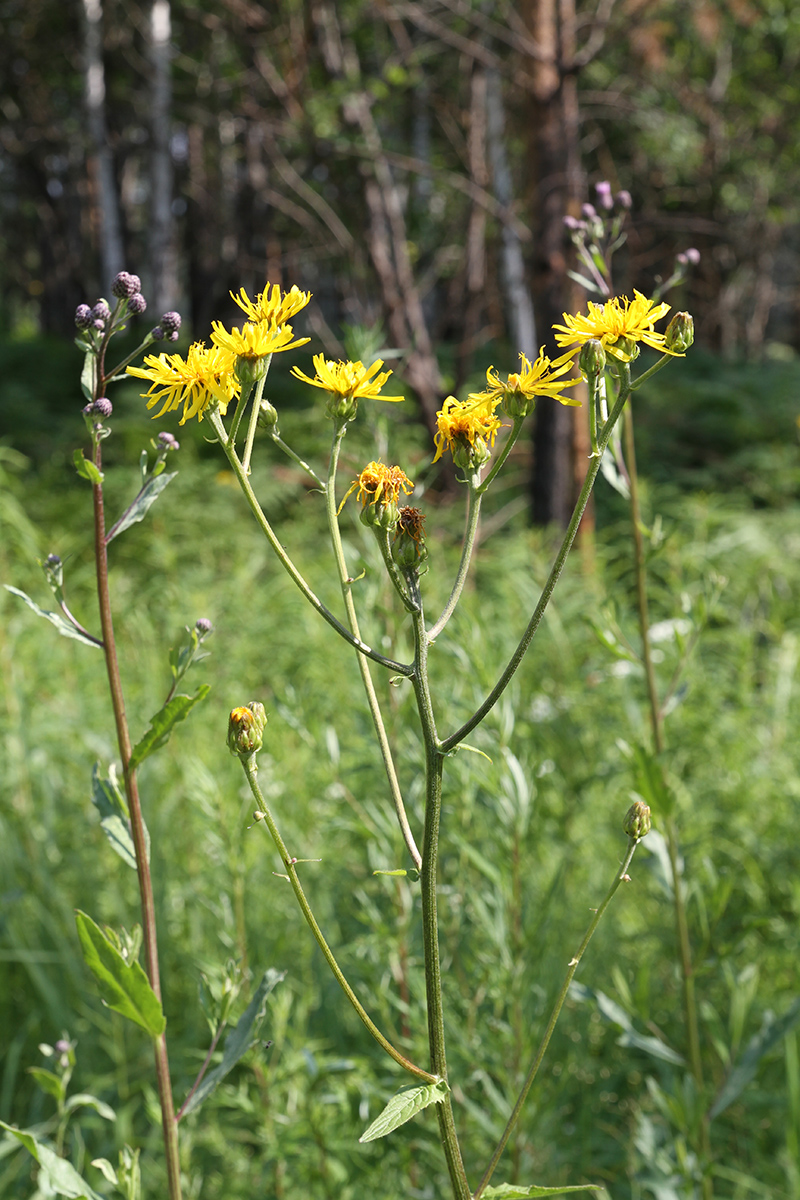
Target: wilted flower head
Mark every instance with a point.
(205, 377)
(408, 548)
(379, 490)
(619, 324)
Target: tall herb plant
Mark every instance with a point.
(223, 385)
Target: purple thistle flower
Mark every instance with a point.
(102, 407)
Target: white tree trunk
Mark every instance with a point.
(163, 264)
(104, 190)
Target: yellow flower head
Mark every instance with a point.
(540, 378)
(271, 306)
(467, 426)
(347, 382)
(619, 324)
(255, 340)
(379, 484)
(203, 378)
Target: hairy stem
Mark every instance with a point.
(475, 495)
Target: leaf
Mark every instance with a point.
(48, 1081)
(109, 801)
(64, 627)
(652, 1046)
(238, 1041)
(614, 1013)
(123, 986)
(138, 509)
(771, 1032)
(86, 468)
(404, 1105)
(84, 1100)
(510, 1191)
(105, 1166)
(161, 725)
(650, 781)
(60, 1174)
(88, 371)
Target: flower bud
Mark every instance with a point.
(83, 316)
(137, 304)
(54, 570)
(589, 211)
(157, 333)
(101, 311)
(624, 199)
(679, 335)
(637, 820)
(246, 728)
(592, 358)
(170, 322)
(604, 196)
(203, 626)
(102, 407)
(168, 441)
(250, 370)
(267, 415)
(627, 347)
(572, 223)
(470, 456)
(125, 285)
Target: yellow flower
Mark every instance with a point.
(255, 340)
(618, 324)
(348, 380)
(203, 378)
(379, 484)
(540, 378)
(460, 423)
(271, 306)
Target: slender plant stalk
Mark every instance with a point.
(621, 875)
(474, 498)
(434, 760)
(285, 560)
(657, 728)
(169, 1125)
(363, 665)
(301, 462)
(569, 537)
(251, 771)
(254, 411)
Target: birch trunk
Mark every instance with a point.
(163, 265)
(101, 163)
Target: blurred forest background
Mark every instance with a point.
(411, 165)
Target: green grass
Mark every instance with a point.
(531, 838)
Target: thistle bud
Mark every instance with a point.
(137, 304)
(101, 311)
(680, 333)
(170, 322)
(246, 729)
(125, 285)
(637, 820)
(157, 333)
(83, 316)
(604, 196)
(102, 407)
(624, 199)
(203, 626)
(592, 358)
(168, 441)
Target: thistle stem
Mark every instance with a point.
(554, 1015)
(363, 665)
(250, 770)
(170, 1129)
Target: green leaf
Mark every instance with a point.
(108, 799)
(105, 1166)
(64, 627)
(84, 1100)
(48, 1081)
(772, 1031)
(510, 1191)
(123, 986)
(239, 1040)
(162, 724)
(88, 372)
(404, 1105)
(652, 1046)
(651, 783)
(85, 468)
(64, 1180)
(138, 509)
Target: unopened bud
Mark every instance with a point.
(83, 316)
(624, 199)
(125, 285)
(137, 304)
(680, 333)
(157, 333)
(470, 456)
(102, 407)
(267, 415)
(592, 358)
(604, 196)
(246, 729)
(170, 322)
(168, 440)
(203, 626)
(637, 820)
(250, 370)
(101, 311)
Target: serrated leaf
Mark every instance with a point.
(138, 509)
(404, 1105)
(108, 799)
(771, 1032)
(161, 725)
(64, 627)
(510, 1191)
(86, 468)
(123, 986)
(239, 1040)
(59, 1173)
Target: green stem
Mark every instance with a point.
(622, 874)
(363, 665)
(251, 770)
(508, 446)
(558, 566)
(434, 760)
(289, 452)
(475, 495)
(393, 570)
(285, 560)
(254, 411)
(662, 362)
(169, 1127)
(241, 404)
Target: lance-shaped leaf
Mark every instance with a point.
(238, 1041)
(512, 1191)
(86, 468)
(109, 801)
(64, 627)
(771, 1032)
(137, 511)
(123, 986)
(404, 1105)
(89, 371)
(161, 725)
(62, 1177)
